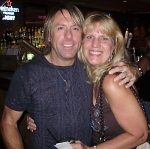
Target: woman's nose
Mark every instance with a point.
(95, 42)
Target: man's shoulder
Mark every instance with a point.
(31, 68)
(40, 60)
(35, 63)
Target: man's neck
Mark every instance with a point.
(59, 62)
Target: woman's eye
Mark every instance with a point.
(104, 38)
(88, 37)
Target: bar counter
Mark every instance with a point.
(6, 74)
(5, 79)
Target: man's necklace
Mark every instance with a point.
(67, 82)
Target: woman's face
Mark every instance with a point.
(97, 46)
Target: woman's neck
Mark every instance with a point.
(95, 92)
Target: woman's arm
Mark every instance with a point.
(128, 114)
(30, 124)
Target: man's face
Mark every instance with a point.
(65, 39)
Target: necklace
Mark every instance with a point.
(66, 82)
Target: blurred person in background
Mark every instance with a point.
(144, 81)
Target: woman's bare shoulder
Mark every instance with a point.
(109, 84)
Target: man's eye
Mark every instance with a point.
(76, 28)
(60, 28)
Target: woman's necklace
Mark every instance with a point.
(67, 82)
(95, 92)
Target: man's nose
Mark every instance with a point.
(68, 34)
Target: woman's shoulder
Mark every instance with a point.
(109, 78)
(110, 84)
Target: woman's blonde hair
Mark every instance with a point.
(111, 29)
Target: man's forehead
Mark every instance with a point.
(64, 13)
(63, 16)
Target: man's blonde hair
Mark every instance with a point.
(74, 12)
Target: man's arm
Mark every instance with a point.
(10, 132)
(129, 75)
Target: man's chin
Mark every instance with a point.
(69, 56)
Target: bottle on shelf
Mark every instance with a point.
(7, 36)
(17, 37)
(126, 36)
(20, 35)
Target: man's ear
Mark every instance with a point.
(49, 38)
(82, 41)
